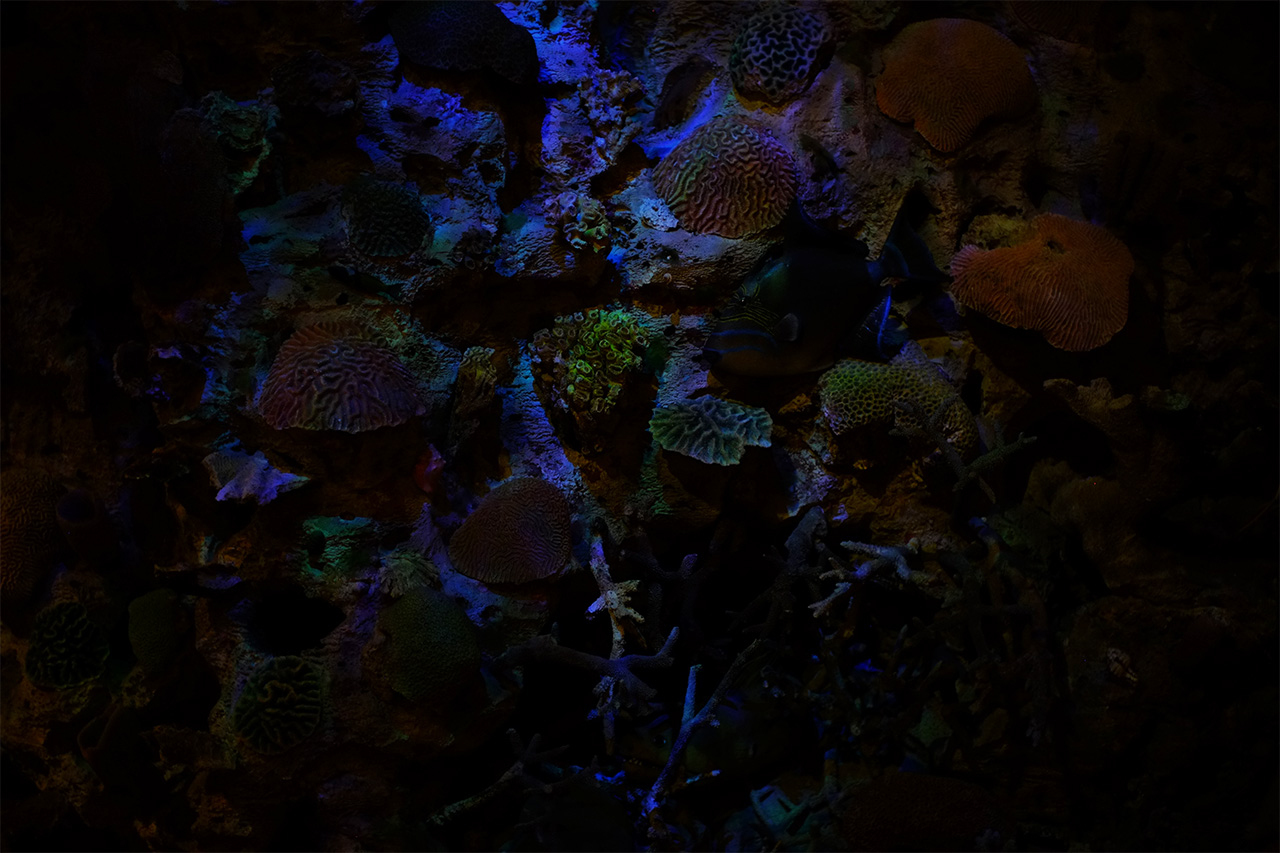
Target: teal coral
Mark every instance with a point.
(775, 55)
(67, 647)
(710, 429)
(856, 393)
(431, 646)
(281, 704)
(155, 629)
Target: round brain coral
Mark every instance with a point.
(67, 647)
(728, 178)
(949, 75)
(29, 532)
(519, 533)
(431, 647)
(280, 705)
(464, 36)
(1068, 280)
(384, 219)
(775, 55)
(332, 376)
(711, 430)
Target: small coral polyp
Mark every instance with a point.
(281, 704)
(333, 376)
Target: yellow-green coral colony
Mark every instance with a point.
(582, 360)
(711, 430)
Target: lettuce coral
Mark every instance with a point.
(711, 430)
(280, 705)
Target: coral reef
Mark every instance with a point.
(239, 477)
(280, 705)
(462, 36)
(29, 534)
(1067, 280)
(949, 75)
(67, 647)
(710, 430)
(519, 533)
(156, 627)
(430, 649)
(384, 219)
(775, 55)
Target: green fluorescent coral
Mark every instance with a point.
(710, 429)
(67, 648)
(431, 646)
(281, 705)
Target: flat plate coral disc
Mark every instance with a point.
(332, 376)
(519, 533)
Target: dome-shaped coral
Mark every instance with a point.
(519, 533)
(775, 55)
(431, 646)
(29, 532)
(711, 430)
(333, 376)
(728, 178)
(384, 219)
(949, 75)
(1068, 280)
(464, 36)
(67, 647)
(280, 705)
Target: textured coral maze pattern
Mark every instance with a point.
(331, 376)
(384, 219)
(67, 647)
(949, 75)
(281, 704)
(727, 178)
(774, 55)
(711, 430)
(431, 646)
(1069, 280)
(29, 531)
(519, 533)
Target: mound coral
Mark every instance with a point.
(949, 75)
(1068, 280)
(333, 376)
(431, 646)
(384, 219)
(728, 178)
(155, 628)
(519, 533)
(711, 430)
(464, 36)
(582, 364)
(774, 57)
(67, 647)
(29, 533)
(855, 393)
(281, 704)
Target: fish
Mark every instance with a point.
(795, 311)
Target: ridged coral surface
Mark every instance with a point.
(384, 219)
(774, 54)
(711, 430)
(281, 704)
(29, 533)
(332, 376)
(464, 36)
(1069, 280)
(519, 533)
(155, 628)
(728, 178)
(431, 647)
(67, 647)
(949, 75)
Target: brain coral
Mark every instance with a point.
(519, 533)
(384, 219)
(774, 57)
(728, 178)
(710, 429)
(948, 75)
(431, 645)
(155, 628)
(1068, 280)
(29, 532)
(464, 36)
(332, 376)
(67, 647)
(280, 705)
(855, 393)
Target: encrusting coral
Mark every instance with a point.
(1068, 280)
(67, 647)
(29, 534)
(949, 75)
(333, 375)
(430, 649)
(775, 55)
(727, 177)
(519, 533)
(710, 430)
(280, 705)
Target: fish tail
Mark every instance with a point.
(905, 255)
